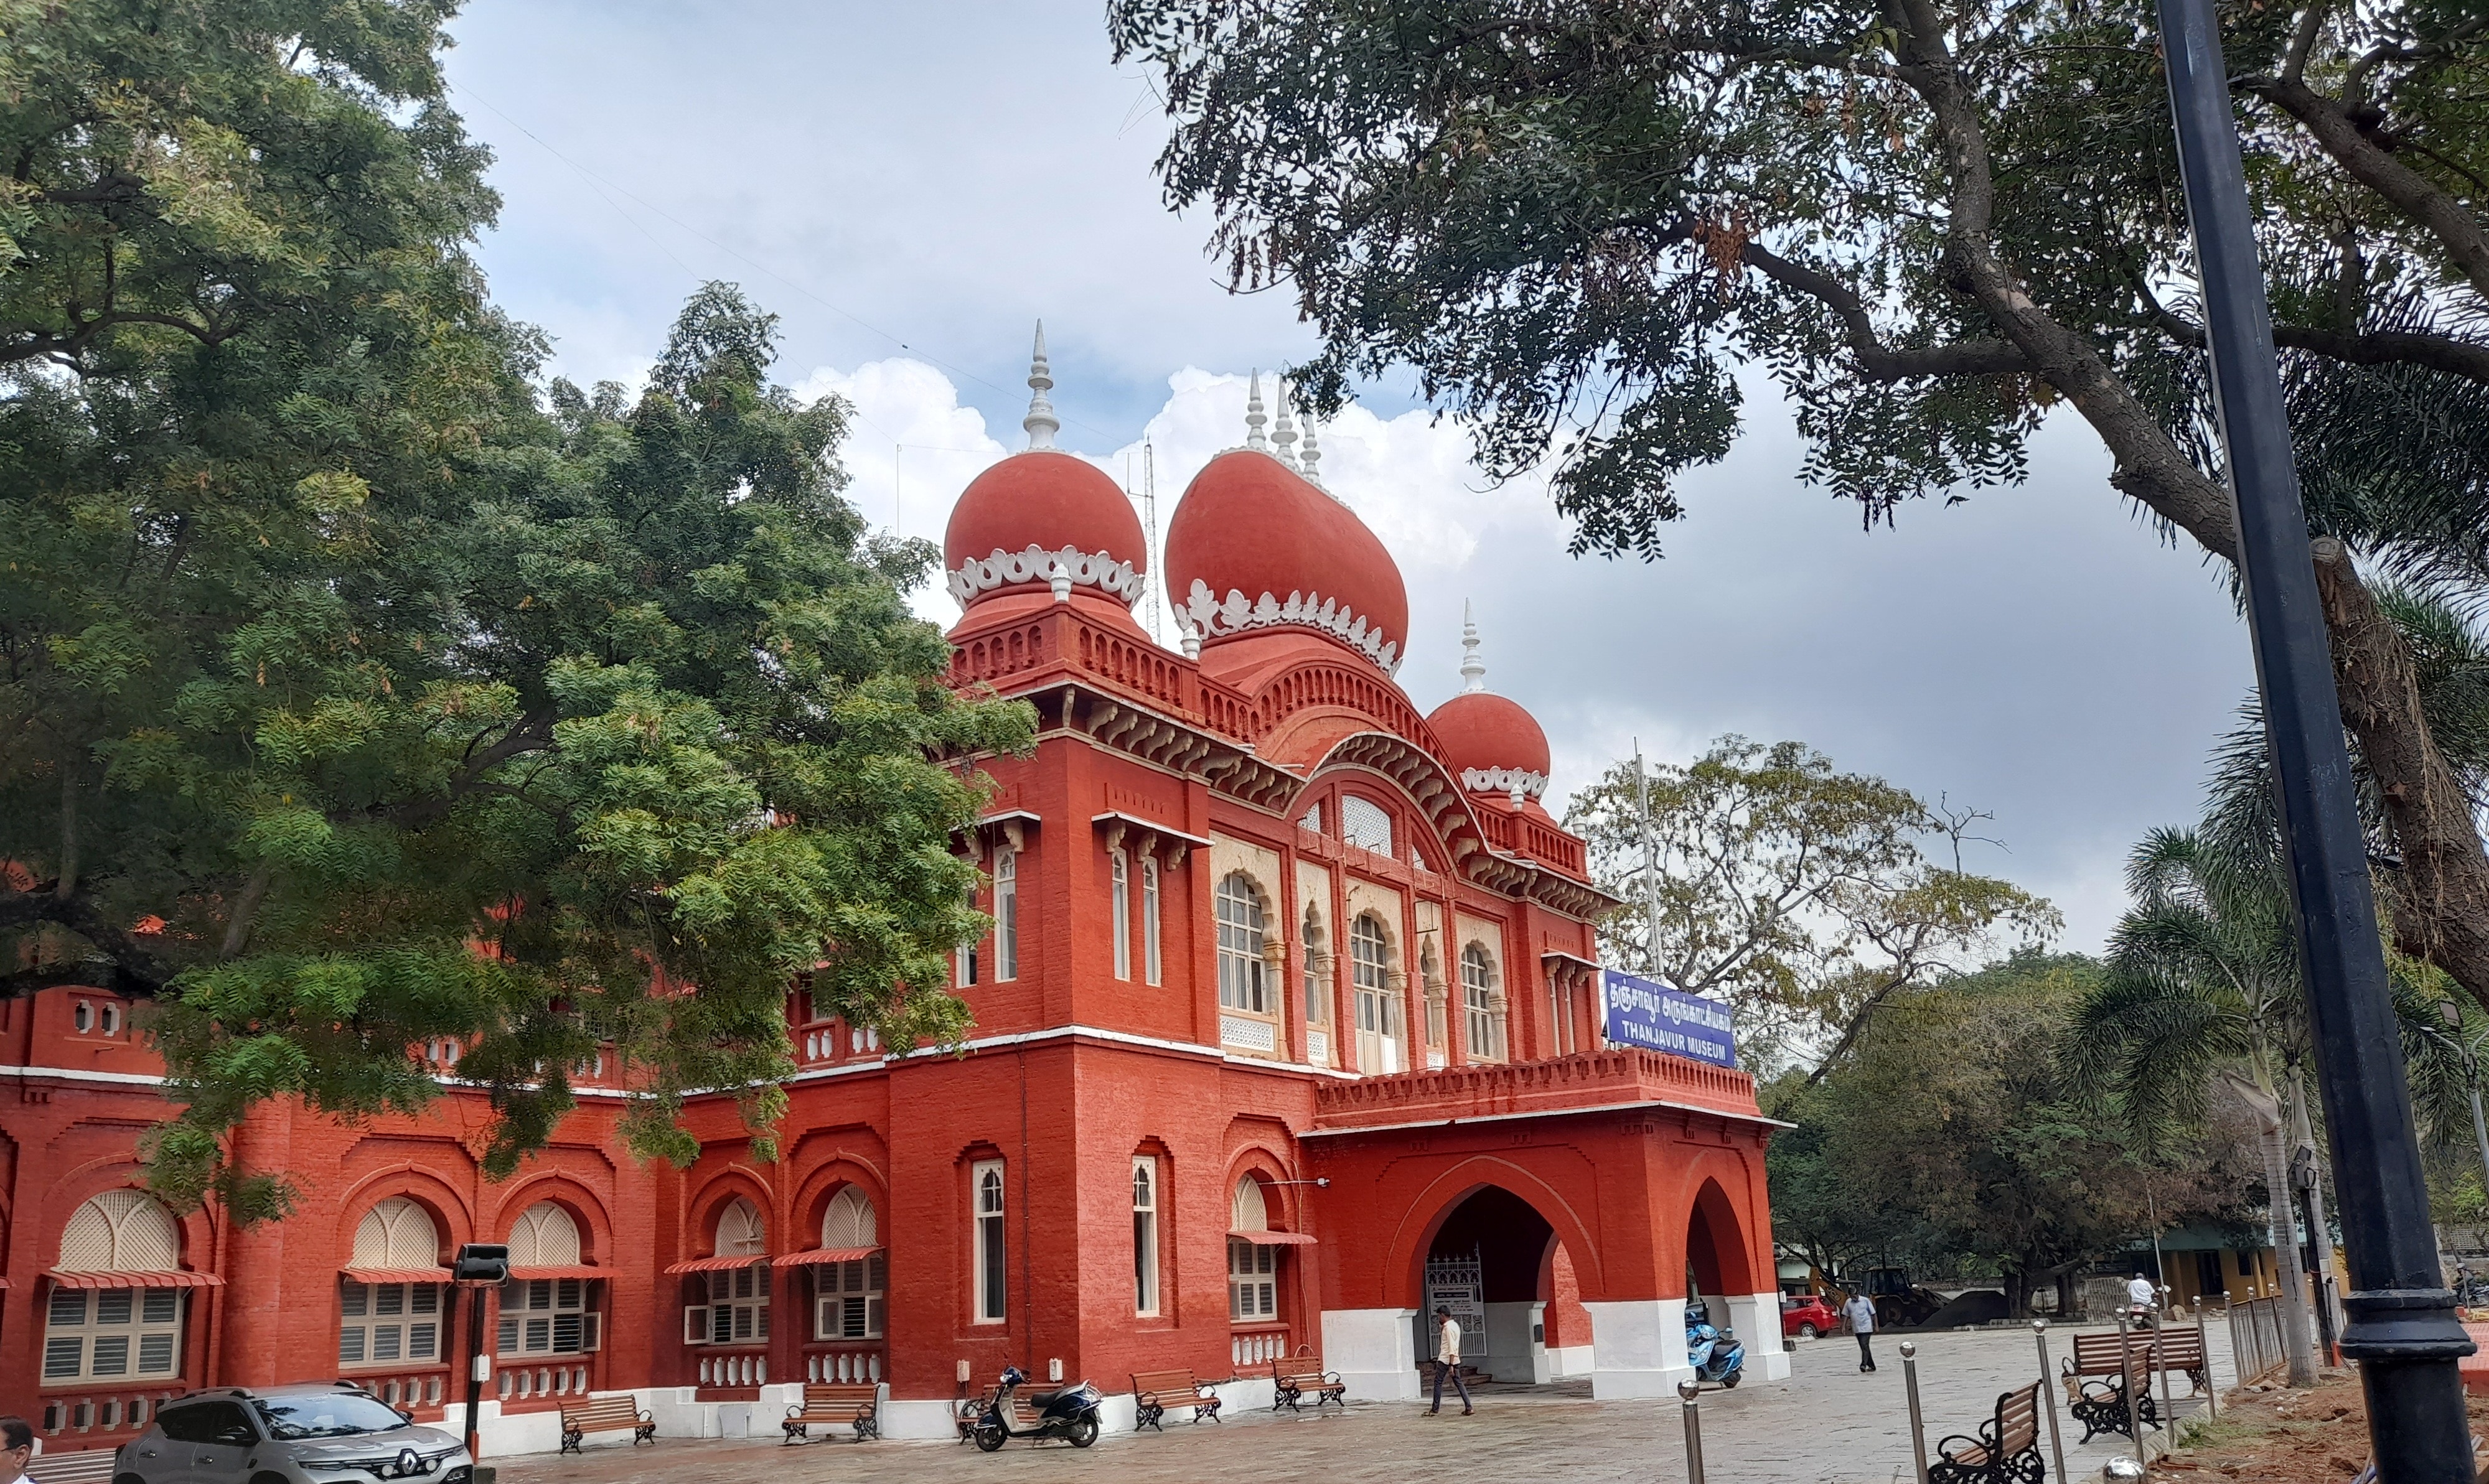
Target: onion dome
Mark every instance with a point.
(1043, 519)
(1493, 744)
(1255, 544)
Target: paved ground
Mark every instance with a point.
(1828, 1424)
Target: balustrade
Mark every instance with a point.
(1591, 1080)
(842, 1362)
(1257, 1346)
(109, 1418)
(734, 1370)
(540, 1387)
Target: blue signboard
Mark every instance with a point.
(1659, 1018)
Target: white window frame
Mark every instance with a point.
(1317, 1001)
(1243, 933)
(1119, 875)
(408, 1320)
(549, 1317)
(1150, 969)
(126, 1337)
(1006, 915)
(1482, 1019)
(1146, 1294)
(990, 1280)
(1252, 1282)
(735, 1307)
(849, 1298)
(1370, 983)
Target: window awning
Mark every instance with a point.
(572, 1271)
(820, 1255)
(718, 1264)
(154, 1278)
(1274, 1238)
(398, 1275)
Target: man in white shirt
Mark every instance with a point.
(1447, 1359)
(1860, 1311)
(2139, 1293)
(16, 1448)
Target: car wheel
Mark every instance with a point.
(129, 1478)
(1807, 1332)
(1085, 1430)
(990, 1432)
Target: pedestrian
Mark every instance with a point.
(1860, 1311)
(17, 1449)
(1447, 1359)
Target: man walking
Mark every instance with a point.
(1860, 1311)
(1447, 1359)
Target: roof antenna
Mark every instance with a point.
(1041, 421)
(1472, 668)
(1253, 418)
(1285, 434)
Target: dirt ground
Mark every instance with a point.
(2277, 1436)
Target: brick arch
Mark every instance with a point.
(89, 1179)
(710, 1201)
(1719, 1188)
(440, 1200)
(1261, 1162)
(586, 1208)
(1404, 1258)
(821, 1185)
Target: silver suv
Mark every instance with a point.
(338, 1434)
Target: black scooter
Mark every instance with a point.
(1071, 1414)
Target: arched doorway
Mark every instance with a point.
(1493, 1262)
(1732, 1290)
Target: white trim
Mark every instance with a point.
(1512, 781)
(1149, 826)
(1498, 1118)
(1118, 580)
(1202, 615)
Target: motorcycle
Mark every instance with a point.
(1070, 1414)
(1715, 1353)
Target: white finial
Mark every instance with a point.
(1192, 643)
(1041, 421)
(1472, 668)
(1310, 456)
(1285, 434)
(1060, 580)
(1253, 418)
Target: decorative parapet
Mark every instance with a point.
(1617, 1078)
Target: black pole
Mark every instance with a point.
(2402, 1327)
(475, 1369)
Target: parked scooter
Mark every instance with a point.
(1715, 1353)
(1070, 1414)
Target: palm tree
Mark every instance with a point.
(2203, 989)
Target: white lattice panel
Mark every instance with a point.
(1249, 1034)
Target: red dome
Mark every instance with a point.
(1493, 742)
(1055, 506)
(1255, 545)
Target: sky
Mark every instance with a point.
(912, 186)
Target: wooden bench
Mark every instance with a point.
(1156, 1392)
(2006, 1451)
(2100, 1404)
(855, 1404)
(605, 1414)
(83, 1466)
(1294, 1376)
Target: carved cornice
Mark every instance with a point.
(1205, 617)
(1003, 569)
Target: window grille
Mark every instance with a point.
(544, 1236)
(993, 1295)
(109, 1333)
(1145, 1235)
(1363, 822)
(121, 1231)
(397, 1232)
(849, 1221)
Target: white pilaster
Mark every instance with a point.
(1757, 1320)
(1374, 1351)
(1637, 1348)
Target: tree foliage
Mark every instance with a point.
(357, 692)
(1802, 896)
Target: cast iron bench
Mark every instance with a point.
(836, 1403)
(1292, 1376)
(605, 1414)
(2006, 1451)
(2099, 1406)
(1156, 1392)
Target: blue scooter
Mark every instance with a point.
(1715, 1353)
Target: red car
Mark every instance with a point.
(1806, 1317)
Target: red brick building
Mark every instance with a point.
(1288, 1030)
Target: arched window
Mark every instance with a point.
(739, 1230)
(1482, 1005)
(544, 1236)
(546, 1310)
(1006, 914)
(985, 1182)
(1364, 822)
(132, 1329)
(1150, 969)
(1120, 911)
(738, 1307)
(847, 1293)
(388, 1313)
(1252, 1267)
(1242, 982)
(1310, 936)
(1145, 1234)
(1379, 1046)
(397, 1232)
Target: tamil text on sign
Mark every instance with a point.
(1659, 1018)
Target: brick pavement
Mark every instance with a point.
(1828, 1424)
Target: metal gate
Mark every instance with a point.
(1454, 1282)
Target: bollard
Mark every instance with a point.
(2212, 1387)
(2160, 1362)
(2049, 1388)
(1688, 1395)
(1918, 1426)
(2126, 1373)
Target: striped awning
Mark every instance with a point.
(824, 1255)
(718, 1264)
(1274, 1238)
(398, 1275)
(574, 1271)
(149, 1278)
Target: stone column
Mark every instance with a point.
(1636, 1348)
(1374, 1350)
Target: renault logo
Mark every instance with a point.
(409, 1462)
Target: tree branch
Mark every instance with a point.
(139, 968)
(1966, 357)
(2369, 163)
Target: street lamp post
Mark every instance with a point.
(2402, 1327)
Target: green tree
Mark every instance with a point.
(357, 695)
(1804, 897)
(1932, 225)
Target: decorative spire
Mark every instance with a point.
(1472, 668)
(1253, 418)
(1285, 434)
(1040, 421)
(1310, 456)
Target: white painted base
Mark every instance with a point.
(924, 1422)
(1757, 1320)
(1374, 1350)
(1637, 1348)
(1570, 1363)
(1509, 1353)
